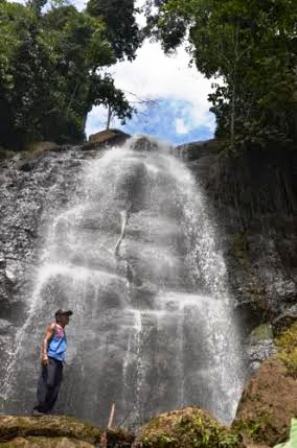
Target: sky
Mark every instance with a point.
(178, 110)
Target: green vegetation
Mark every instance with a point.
(251, 47)
(187, 428)
(254, 428)
(287, 345)
(51, 68)
(240, 248)
(121, 28)
(53, 62)
(261, 332)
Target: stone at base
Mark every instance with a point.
(189, 427)
(267, 405)
(45, 442)
(57, 431)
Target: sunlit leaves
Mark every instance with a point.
(49, 72)
(252, 47)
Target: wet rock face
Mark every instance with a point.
(260, 345)
(24, 195)
(144, 144)
(255, 200)
(285, 319)
(130, 189)
(255, 204)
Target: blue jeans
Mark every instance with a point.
(49, 385)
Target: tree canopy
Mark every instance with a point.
(121, 28)
(250, 46)
(54, 61)
(51, 71)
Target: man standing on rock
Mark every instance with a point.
(53, 348)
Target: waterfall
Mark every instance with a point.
(153, 326)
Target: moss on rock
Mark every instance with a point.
(186, 428)
(261, 332)
(240, 248)
(47, 426)
(55, 431)
(287, 346)
(119, 438)
(45, 442)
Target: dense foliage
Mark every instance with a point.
(51, 71)
(121, 28)
(251, 48)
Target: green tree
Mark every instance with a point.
(121, 27)
(251, 47)
(19, 70)
(50, 72)
(103, 92)
(78, 51)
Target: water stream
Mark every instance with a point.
(153, 328)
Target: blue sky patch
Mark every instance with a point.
(166, 119)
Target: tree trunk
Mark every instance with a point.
(232, 121)
(109, 116)
(234, 92)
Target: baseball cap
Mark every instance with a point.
(61, 312)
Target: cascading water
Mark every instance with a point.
(152, 327)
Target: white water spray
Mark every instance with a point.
(152, 327)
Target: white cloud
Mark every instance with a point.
(180, 126)
(154, 75)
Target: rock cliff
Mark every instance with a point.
(254, 199)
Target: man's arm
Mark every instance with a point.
(44, 346)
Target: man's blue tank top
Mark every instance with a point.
(58, 344)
